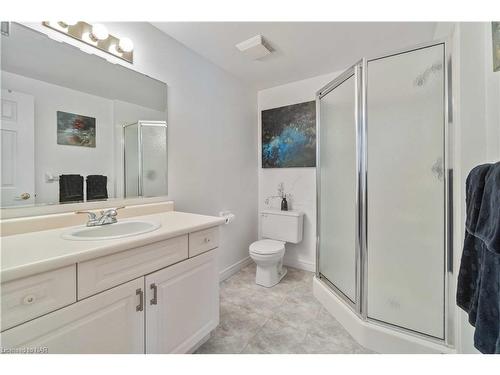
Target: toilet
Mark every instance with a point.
(277, 228)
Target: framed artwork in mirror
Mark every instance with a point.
(75, 130)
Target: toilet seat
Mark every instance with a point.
(267, 247)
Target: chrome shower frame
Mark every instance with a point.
(360, 305)
(140, 124)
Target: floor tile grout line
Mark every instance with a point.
(256, 333)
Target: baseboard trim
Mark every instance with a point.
(300, 264)
(231, 270)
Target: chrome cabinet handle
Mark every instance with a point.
(154, 300)
(140, 293)
(29, 299)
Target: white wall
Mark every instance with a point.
(300, 182)
(476, 97)
(212, 135)
(56, 159)
(479, 122)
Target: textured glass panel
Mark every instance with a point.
(338, 188)
(131, 143)
(495, 30)
(405, 175)
(154, 161)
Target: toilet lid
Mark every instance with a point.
(267, 247)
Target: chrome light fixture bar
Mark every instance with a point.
(95, 35)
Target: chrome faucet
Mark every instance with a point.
(107, 217)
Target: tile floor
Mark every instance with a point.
(283, 319)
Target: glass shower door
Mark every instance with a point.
(338, 184)
(406, 190)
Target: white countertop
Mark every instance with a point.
(31, 253)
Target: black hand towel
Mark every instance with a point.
(478, 291)
(70, 188)
(97, 187)
(469, 266)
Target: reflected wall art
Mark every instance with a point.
(75, 130)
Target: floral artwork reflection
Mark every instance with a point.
(75, 130)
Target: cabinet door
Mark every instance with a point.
(109, 322)
(182, 304)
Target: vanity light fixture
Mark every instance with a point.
(99, 32)
(67, 24)
(95, 35)
(125, 45)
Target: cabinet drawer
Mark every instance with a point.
(202, 241)
(32, 296)
(106, 272)
(108, 322)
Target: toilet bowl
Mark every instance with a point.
(277, 228)
(268, 256)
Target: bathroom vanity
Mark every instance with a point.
(146, 284)
(156, 292)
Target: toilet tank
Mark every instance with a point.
(282, 225)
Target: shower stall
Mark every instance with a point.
(145, 159)
(384, 192)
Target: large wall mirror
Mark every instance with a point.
(75, 127)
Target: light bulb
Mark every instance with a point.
(125, 45)
(99, 32)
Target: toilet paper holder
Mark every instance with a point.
(228, 216)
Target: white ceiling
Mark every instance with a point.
(302, 49)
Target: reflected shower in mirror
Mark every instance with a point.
(64, 112)
(145, 155)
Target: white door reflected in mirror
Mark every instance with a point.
(17, 140)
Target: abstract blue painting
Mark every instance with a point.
(289, 136)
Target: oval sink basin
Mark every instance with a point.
(111, 231)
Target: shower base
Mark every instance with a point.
(372, 335)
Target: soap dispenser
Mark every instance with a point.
(284, 204)
(282, 194)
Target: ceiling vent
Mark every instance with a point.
(255, 47)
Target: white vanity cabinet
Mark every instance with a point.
(105, 272)
(109, 322)
(151, 299)
(182, 304)
(30, 297)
